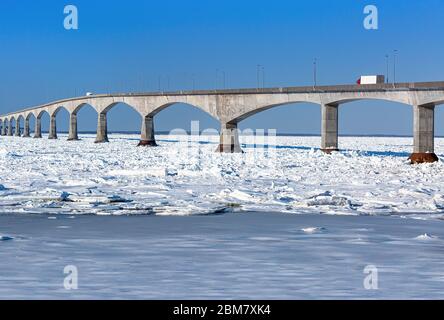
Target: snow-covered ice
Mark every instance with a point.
(371, 177)
(231, 226)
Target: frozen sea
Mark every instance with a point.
(182, 222)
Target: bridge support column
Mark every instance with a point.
(52, 128)
(26, 129)
(17, 128)
(102, 128)
(229, 139)
(3, 131)
(10, 129)
(147, 138)
(329, 128)
(73, 136)
(424, 134)
(38, 128)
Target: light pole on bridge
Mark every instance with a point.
(315, 73)
(395, 52)
(257, 76)
(260, 73)
(263, 77)
(222, 72)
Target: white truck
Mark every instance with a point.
(371, 79)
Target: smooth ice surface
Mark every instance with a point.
(371, 177)
(235, 255)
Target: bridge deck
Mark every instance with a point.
(386, 87)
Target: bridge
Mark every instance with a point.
(232, 106)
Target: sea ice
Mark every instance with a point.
(312, 230)
(371, 176)
(425, 237)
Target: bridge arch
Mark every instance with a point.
(29, 116)
(82, 105)
(110, 106)
(39, 114)
(329, 107)
(195, 110)
(375, 117)
(180, 117)
(54, 112)
(76, 110)
(254, 109)
(58, 114)
(103, 118)
(258, 127)
(342, 101)
(242, 116)
(165, 106)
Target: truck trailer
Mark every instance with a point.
(371, 79)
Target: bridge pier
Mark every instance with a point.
(3, 131)
(424, 134)
(229, 139)
(102, 128)
(73, 136)
(38, 128)
(329, 128)
(10, 129)
(17, 128)
(52, 128)
(147, 136)
(26, 129)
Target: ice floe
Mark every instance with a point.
(5, 238)
(425, 237)
(312, 230)
(370, 177)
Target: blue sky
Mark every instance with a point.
(126, 46)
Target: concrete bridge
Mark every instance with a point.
(232, 106)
